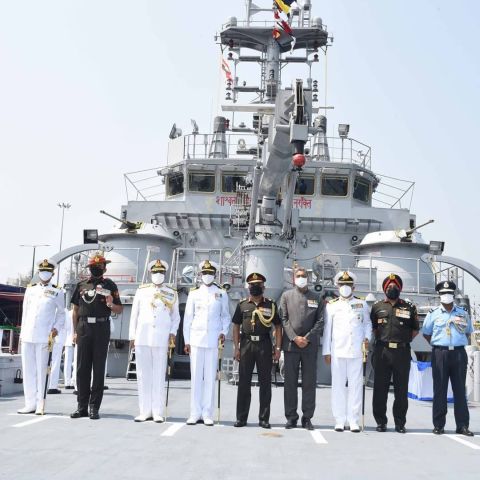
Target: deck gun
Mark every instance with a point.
(406, 235)
(131, 227)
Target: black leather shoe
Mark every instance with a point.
(53, 391)
(240, 423)
(79, 413)
(438, 431)
(264, 424)
(75, 392)
(69, 387)
(400, 429)
(291, 424)
(307, 424)
(464, 431)
(94, 413)
(381, 428)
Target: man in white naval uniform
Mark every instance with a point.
(69, 379)
(347, 326)
(205, 324)
(43, 313)
(154, 323)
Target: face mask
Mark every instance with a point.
(208, 279)
(255, 290)
(158, 278)
(96, 271)
(45, 276)
(301, 282)
(393, 293)
(446, 298)
(345, 291)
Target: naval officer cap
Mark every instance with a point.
(256, 278)
(446, 287)
(207, 266)
(46, 266)
(158, 266)
(392, 278)
(344, 278)
(97, 259)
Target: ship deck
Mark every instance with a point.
(54, 446)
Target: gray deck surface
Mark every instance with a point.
(114, 447)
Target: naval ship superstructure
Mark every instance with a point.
(268, 189)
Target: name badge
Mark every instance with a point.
(312, 303)
(357, 305)
(91, 320)
(402, 313)
(218, 296)
(50, 293)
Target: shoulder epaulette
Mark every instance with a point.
(31, 285)
(243, 300)
(170, 287)
(219, 286)
(333, 300)
(144, 285)
(194, 288)
(378, 301)
(55, 286)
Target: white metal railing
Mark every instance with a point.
(393, 192)
(144, 185)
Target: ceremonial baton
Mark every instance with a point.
(365, 353)
(171, 346)
(219, 376)
(49, 363)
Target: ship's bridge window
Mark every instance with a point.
(335, 185)
(305, 185)
(201, 182)
(231, 182)
(361, 189)
(175, 184)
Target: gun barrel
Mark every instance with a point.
(128, 224)
(409, 232)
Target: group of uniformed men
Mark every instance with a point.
(347, 323)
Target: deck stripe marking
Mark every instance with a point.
(31, 422)
(172, 430)
(463, 442)
(318, 437)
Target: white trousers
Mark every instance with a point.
(151, 364)
(203, 369)
(68, 366)
(34, 366)
(346, 401)
(56, 361)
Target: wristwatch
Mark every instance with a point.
(109, 305)
(278, 348)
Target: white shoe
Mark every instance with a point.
(141, 418)
(208, 422)
(354, 427)
(26, 410)
(192, 420)
(158, 419)
(339, 427)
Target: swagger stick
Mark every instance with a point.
(49, 368)
(219, 376)
(365, 353)
(171, 346)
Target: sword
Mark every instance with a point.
(171, 346)
(219, 376)
(49, 368)
(364, 353)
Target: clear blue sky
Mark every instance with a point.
(89, 91)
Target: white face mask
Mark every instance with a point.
(301, 282)
(158, 278)
(45, 276)
(208, 279)
(345, 291)
(446, 298)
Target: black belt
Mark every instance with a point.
(393, 345)
(256, 338)
(94, 319)
(441, 347)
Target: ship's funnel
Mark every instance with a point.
(218, 148)
(319, 143)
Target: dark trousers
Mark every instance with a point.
(251, 354)
(388, 362)
(92, 347)
(307, 359)
(449, 364)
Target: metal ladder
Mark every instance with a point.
(132, 366)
